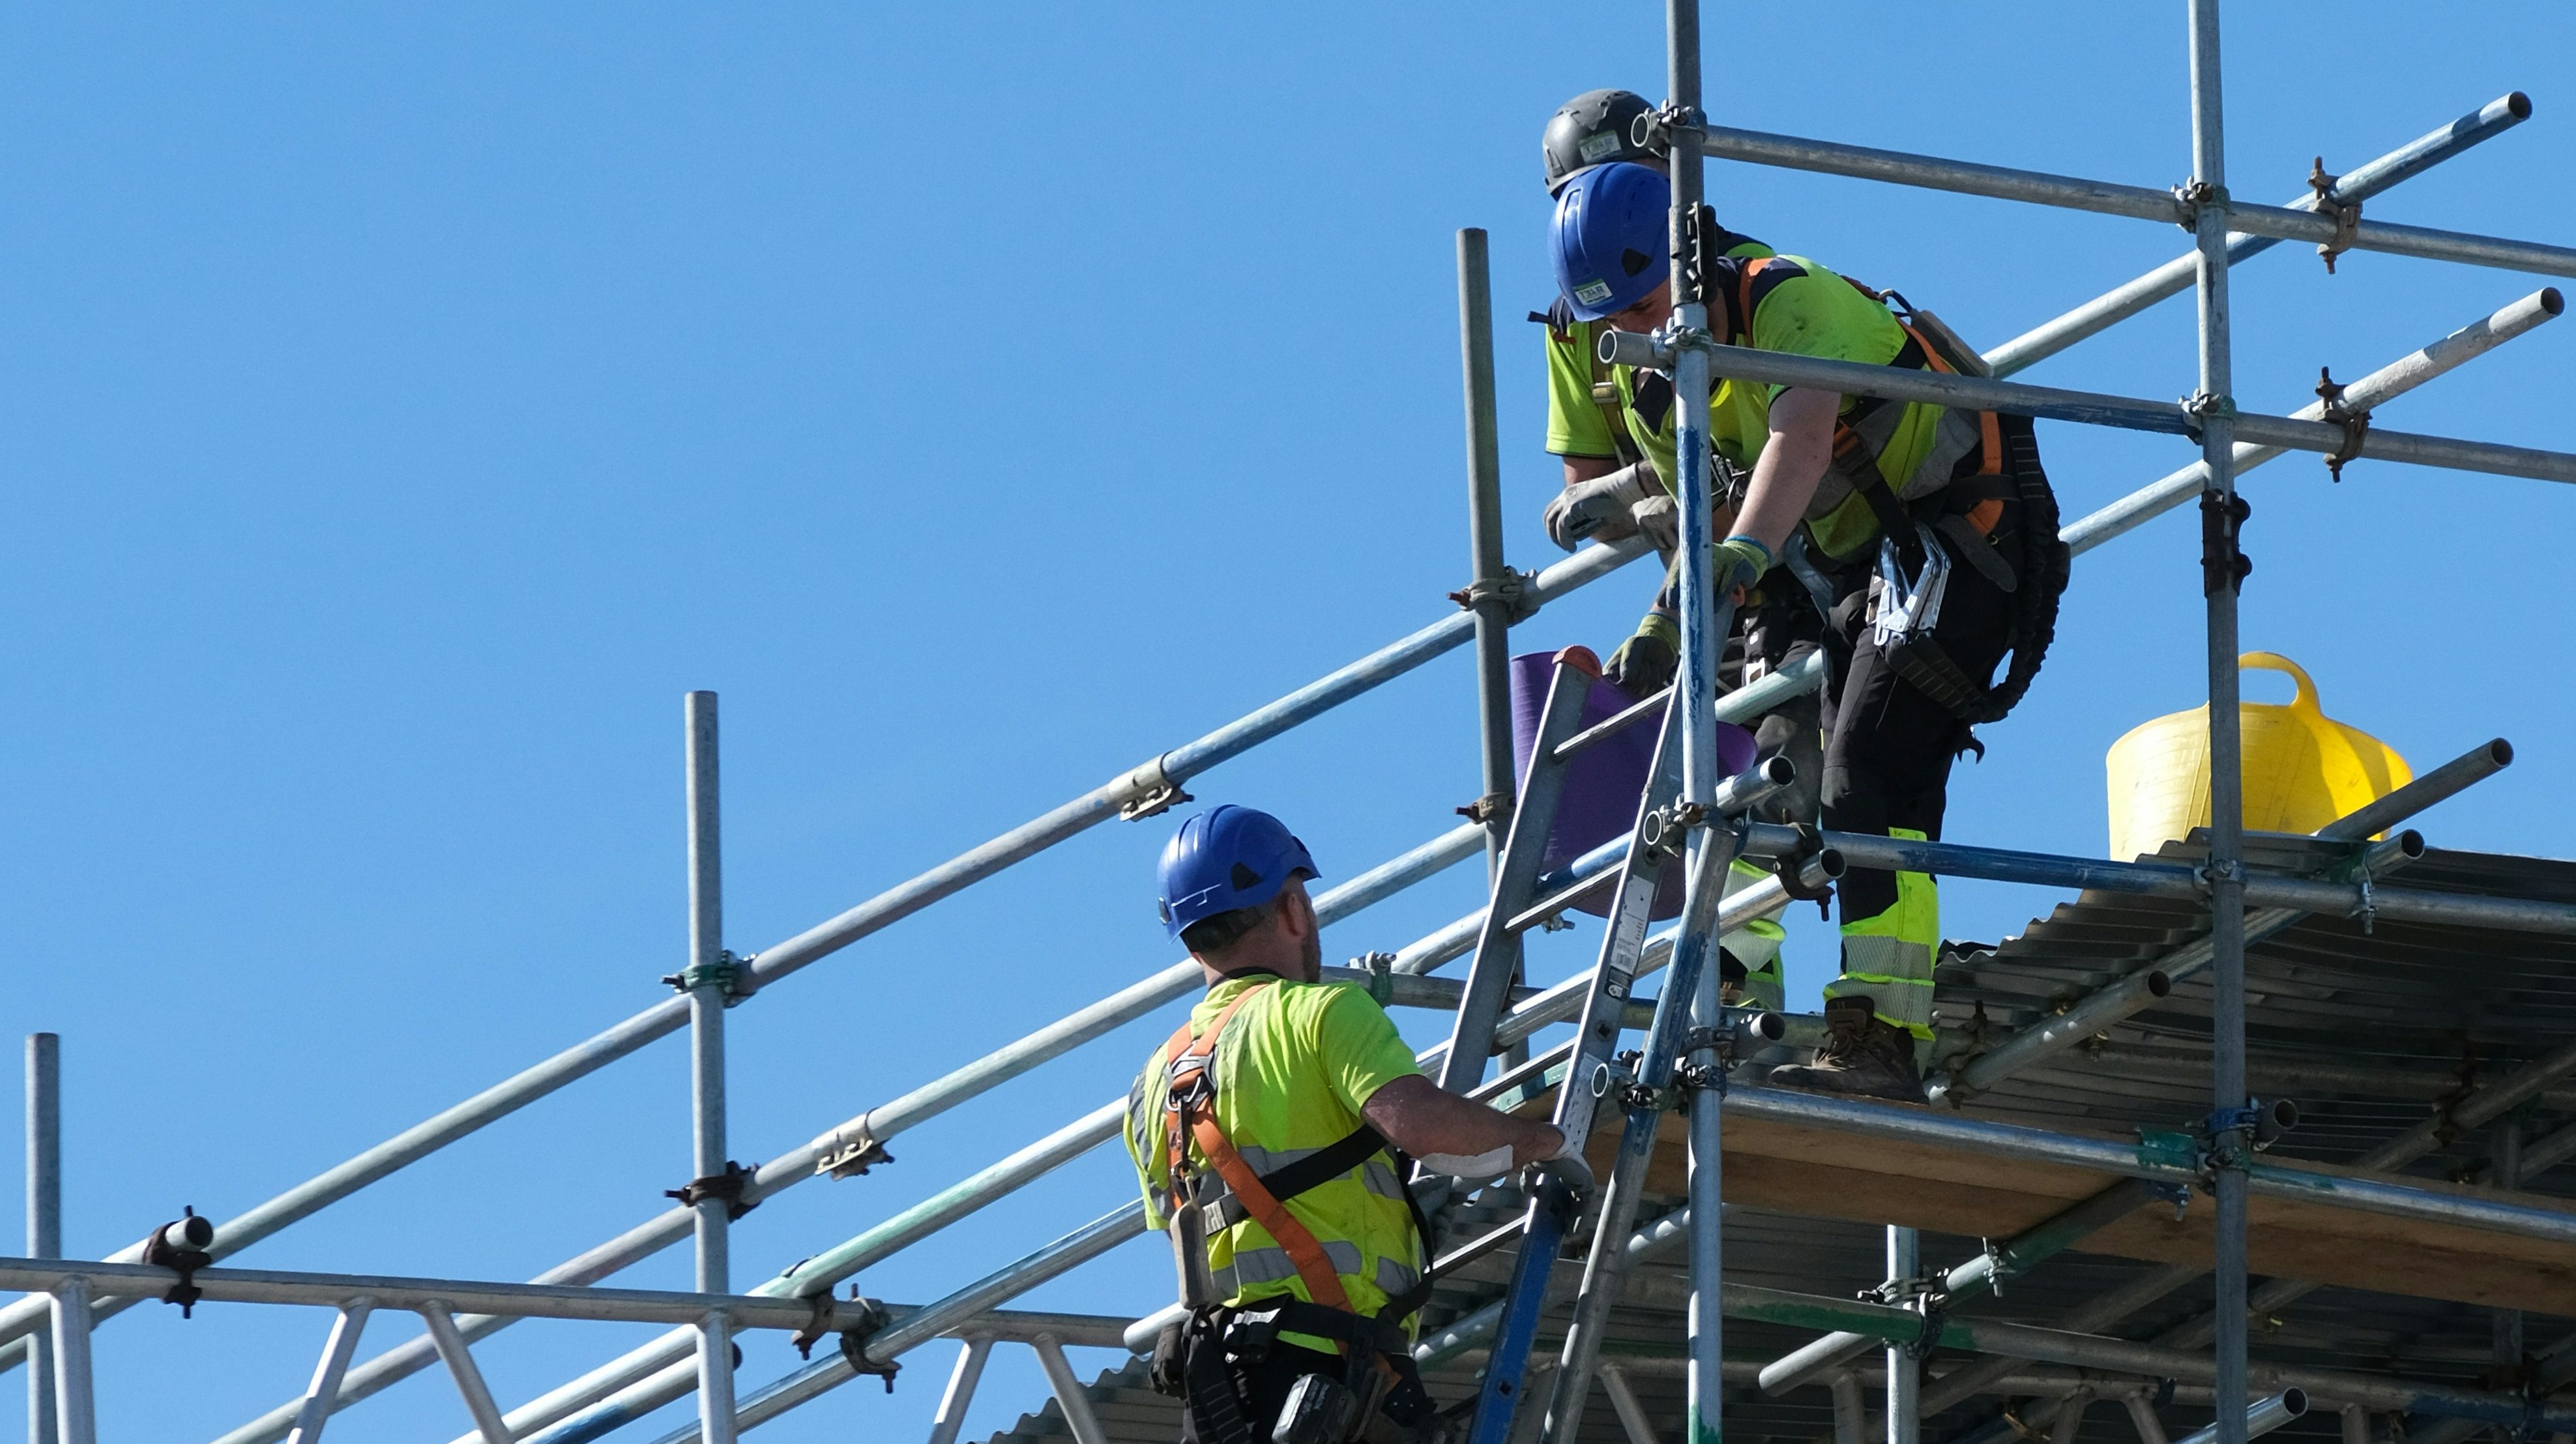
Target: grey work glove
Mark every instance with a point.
(1598, 509)
(1568, 1167)
(1658, 518)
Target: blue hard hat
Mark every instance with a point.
(1612, 225)
(1225, 858)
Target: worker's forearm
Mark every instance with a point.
(1793, 461)
(1585, 468)
(1418, 1116)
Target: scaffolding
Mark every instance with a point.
(2128, 1010)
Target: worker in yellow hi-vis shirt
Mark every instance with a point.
(1923, 537)
(1613, 492)
(1270, 1134)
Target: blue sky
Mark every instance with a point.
(405, 405)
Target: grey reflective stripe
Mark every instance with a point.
(1379, 1179)
(1271, 1160)
(1394, 1278)
(1272, 1265)
(1140, 1124)
(1881, 958)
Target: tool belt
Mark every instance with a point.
(1378, 1393)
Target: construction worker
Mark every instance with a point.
(1612, 492)
(1270, 1134)
(1924, 538)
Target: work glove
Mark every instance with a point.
(1644, 663)
(1566, 1165)
(1598, 509)
(1736, 563)
(1658, 519)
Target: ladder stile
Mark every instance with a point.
(1497, 961)
(1552, 1212)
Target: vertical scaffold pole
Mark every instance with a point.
(1485, 596)
(1904, 1376)
(75, 1406)
(44, 1213)
(2216, 407)
(1703, 629)
(710, 985)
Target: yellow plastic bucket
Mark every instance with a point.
(2303, 769)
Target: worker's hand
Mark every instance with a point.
(1566, 1166)
(1658, 519)
(1643, 665)
(1598, 509)
(1736, 563)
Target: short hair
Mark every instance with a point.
(1214, 934)
(1217, 932)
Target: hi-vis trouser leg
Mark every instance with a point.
(1889, 957)
(1756, 945)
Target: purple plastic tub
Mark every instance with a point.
(1605, 783)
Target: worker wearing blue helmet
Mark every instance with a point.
(1613, 492)
(1924, 538)
(1270, 1134)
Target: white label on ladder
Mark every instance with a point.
(1634, 912)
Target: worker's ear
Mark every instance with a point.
(1297, 911)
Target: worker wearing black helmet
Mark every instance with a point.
(1613, 491)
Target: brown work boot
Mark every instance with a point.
(1861, 1056)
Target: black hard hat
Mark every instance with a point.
(1593, 129)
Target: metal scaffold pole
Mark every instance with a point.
(1904, 1417)
(1703, 640)
(2221, 572)
(44, 1211)
(1488, 589)
(709, 982)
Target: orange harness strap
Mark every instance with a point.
(1190, 1052)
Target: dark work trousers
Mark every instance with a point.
(1888, 747)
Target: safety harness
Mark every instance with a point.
(1560, 322)
(1964, 507)
(1191, 1357)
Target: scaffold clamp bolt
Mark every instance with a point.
(2346, 215)
(854, 1345)
(724, 972)
(2354, 421)
(1517, 591)
(728, 1186)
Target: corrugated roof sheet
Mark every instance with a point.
(2370, 1028)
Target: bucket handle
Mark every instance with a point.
(2305, 699)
